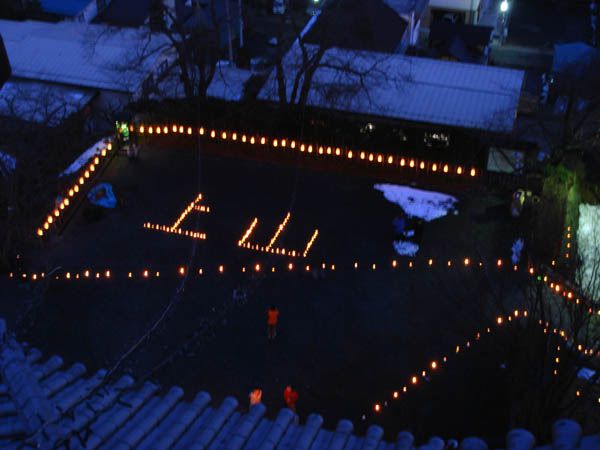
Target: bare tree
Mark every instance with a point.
(195, 40)
(309, 65)
(550, 357)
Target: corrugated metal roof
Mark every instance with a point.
(44, 103)
(228, 84)
(45, 405)
(81, 54)
(408, 88)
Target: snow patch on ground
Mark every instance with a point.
(588, 248)
(406, 248)
(83, 158)
(517, 248)
(8, 163)
(426, 205)
(417, 203)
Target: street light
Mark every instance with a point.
(504, 9)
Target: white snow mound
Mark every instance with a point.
(426, 205)
(588, 248)
(83, 158)
(406, 248)
(7, 162)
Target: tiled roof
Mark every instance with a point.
(81, 54)
(45, 405)
(407, 88)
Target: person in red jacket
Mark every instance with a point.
(290, 397)
(272, 318)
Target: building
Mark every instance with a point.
(125, 13)
(389, 26)
(5, 69)
(77, 10)
(460, 42)
(409, 89)
(60, 68)
(455, 11)
(46, 405)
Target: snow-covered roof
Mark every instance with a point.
(228, 84)
(44, 103)
(407, 88)
(81, 54)
(46, 405)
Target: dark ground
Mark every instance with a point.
(346, 340)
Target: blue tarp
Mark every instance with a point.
(102, 195)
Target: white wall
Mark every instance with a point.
(588, 248)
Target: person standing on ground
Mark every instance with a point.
(272, 318)
(290, 397)
(255, 397)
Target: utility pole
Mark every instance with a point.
(229, 43)
(241, 23)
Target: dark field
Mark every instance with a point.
(347, 338)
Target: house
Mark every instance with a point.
(214, 15)
(228, 84)
(77, 10)
(418, 91)
(460, 42)
(413, 12)
(48, 405)
(125, 13)
(69, 65)
(389, 26)
(455, 11)
(369, 25)
(221, 16)
(5, 69)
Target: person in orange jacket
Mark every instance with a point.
(255, 397)
(272, 318)
(290, 397)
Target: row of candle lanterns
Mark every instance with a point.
(178, 231)
(191, 207)
(258, 267)
(568, 243)
(61, 207)
(244, 242)
(336, 152)
(174, 229)
(435, 364)
(356, 265)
